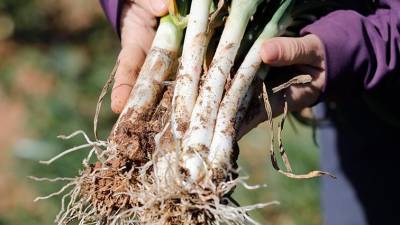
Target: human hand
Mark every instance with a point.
(303, 55)
(138, 23)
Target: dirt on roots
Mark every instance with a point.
(123, 187)
(135, 146)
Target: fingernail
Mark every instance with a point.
(269, 52)
(159, 6)
(116, 106)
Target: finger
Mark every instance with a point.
(257, 114)
(134, 48)
(303, 95)
(130, 61)
(250, 123)
(155, 7)
(318, 75)
(299, 97)
(285, 51)
(137, 27)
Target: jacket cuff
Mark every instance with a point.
(112, 9)
(340, 47)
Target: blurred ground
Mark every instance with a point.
(299, 199)
(54, 58)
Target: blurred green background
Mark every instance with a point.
(55, 57)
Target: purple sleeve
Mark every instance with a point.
(112, 9)
(360, 49)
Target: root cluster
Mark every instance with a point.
(122, 186)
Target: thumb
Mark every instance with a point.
(285, 51)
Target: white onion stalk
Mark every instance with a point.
(198, 137)
(244, 105)
(188, 76)
(224, 135)
(156, 69)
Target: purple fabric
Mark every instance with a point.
(360, 49)
(363, 71)
(112, 9)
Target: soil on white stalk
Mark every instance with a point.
(135, 141)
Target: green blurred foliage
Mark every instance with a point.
(55, 58)
(57, 71)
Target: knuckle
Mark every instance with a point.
(298, 49)
(123, 70)
(287, 49)
(281, 49)
(294, 50)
